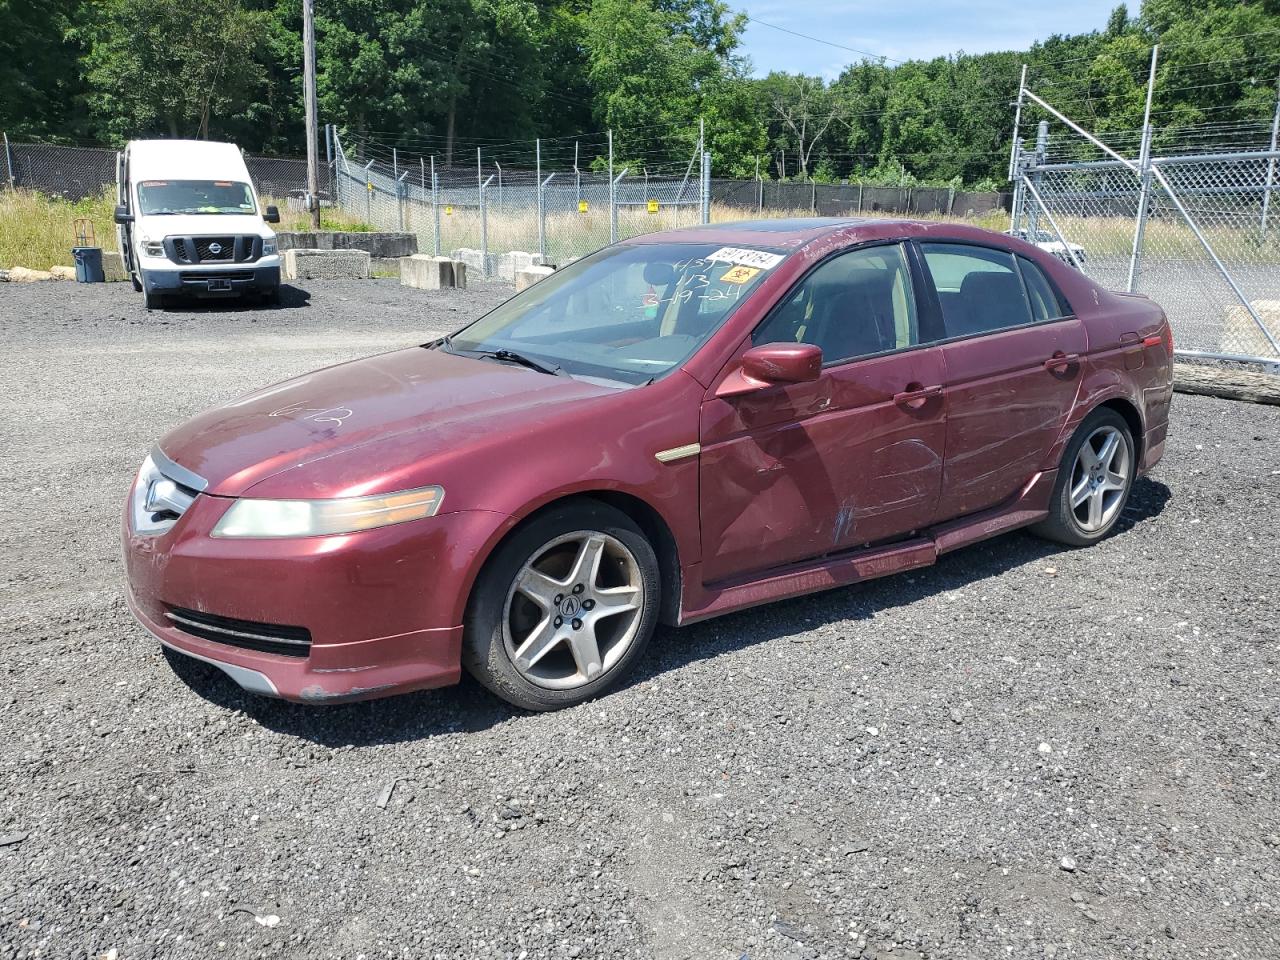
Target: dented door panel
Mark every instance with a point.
(1005, 410)
(800, 471)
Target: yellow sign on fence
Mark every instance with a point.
(652, 206)
(582, 206)
(448, 211)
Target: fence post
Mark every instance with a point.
(577, 177)
(613, 206)
(328, 159)
(368, 194)
(484, 228)
(1271, 164)
(1144, 185)
(9, 178)
(542, 219)
(706, 186)
(401, 190)
(759, 190)
(1042, 152)
(435, 204)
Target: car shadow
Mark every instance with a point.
(469, 707)
(291, 298)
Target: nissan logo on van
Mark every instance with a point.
(215, 248)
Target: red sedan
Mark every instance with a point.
(675, 427)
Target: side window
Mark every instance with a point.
(979, 289)
(1045, 302)
(854, 305)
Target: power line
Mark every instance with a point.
(829, 43)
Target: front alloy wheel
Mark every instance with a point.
(563, 608)
(573, 610)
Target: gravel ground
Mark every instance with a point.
(1021, 752)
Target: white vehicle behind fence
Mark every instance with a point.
(189, 222)
(1049, 243)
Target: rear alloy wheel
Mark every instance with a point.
(1093, 483)
(564, 608)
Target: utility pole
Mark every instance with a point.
(309, 100)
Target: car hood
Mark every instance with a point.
(157, 227)
(436, 401)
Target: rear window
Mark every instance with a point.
(1046, 304)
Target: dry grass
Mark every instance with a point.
(38, 231)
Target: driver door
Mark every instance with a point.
(794, 472)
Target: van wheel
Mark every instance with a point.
(564, 608)
(154, 301)
(137, 284)
(1094, 481)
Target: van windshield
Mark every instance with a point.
(158, 197)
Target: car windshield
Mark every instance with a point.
(158, 197)
(627, 314)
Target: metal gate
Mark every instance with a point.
(1198, 232)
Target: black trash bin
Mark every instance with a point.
(89, 265)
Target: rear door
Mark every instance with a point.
(794, 472)
(1012, 354)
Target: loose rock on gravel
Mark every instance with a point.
(877, 788)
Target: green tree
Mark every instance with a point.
(164, 66)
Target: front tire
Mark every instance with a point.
(1094, 481)
(564, 607)
(153, 301)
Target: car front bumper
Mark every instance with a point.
(382, 608)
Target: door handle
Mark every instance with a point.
(916, 395)
(1060, 360)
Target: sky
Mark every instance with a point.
(905, 29)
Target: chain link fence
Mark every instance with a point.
(1197, 233)
(499, 220)
(81, 173)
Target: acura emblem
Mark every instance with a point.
(215, 248)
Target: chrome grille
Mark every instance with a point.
(214, 249)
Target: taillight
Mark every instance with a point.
(1164, 337)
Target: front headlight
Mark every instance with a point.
(318, 518)
(153, 248)
(268, 247)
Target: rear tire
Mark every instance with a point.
(1094, 481)
(564, 607)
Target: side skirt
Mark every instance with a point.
(703, 601)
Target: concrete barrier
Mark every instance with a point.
(386, 244)
(426, 272)
(531, 275)
(113, 266)
(1240, 335)
(475, 260)
(326, 265)
(509, 264)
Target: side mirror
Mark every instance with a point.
(273, 214)
(122, 214)
(771, 364)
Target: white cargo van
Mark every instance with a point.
(189, 222)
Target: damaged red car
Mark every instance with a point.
(675, 427)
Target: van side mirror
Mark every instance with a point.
(273, 214)
(771, 364)
(122, 214)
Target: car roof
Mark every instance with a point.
(185, 160)
(793, 233)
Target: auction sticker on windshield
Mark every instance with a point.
(746, 258)
(739, 275)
